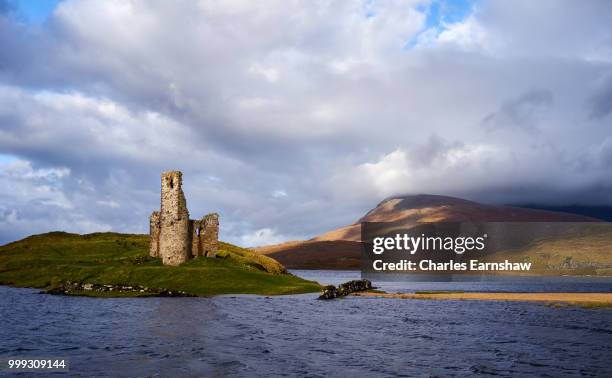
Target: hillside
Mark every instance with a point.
(341, 249)
(410, 210)
(587, 251)
(50, 260)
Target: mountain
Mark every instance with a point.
(599, 212)
(341, 248)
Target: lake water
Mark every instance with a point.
(399, 283)
(298, 335)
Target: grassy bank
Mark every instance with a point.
(48, 260)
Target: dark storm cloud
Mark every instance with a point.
(522, 112)
(291, 119)
(600, 102)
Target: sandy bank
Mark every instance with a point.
(604, 299)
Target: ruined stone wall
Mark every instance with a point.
(195, 227)
(174, 238)
(205, 236)
(210, 236)
(154, 228)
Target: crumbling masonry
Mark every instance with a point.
(174, 237)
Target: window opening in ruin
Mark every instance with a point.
(198, 231)
(171, 184)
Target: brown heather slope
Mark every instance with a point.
(341, 248)
(587, 251)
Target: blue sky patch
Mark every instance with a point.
(443, 12)
(31, 11)
(4, 158)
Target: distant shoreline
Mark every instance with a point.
(582, 299)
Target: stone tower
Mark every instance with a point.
(173, 236)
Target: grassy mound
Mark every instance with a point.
(48, 260)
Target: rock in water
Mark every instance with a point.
(331, 292)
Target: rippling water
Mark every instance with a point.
(297, 335)
(399, 284)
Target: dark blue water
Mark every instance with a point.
(300, 336)
(530, 284)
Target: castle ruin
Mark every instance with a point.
(174, 237)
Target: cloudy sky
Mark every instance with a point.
(294, 117)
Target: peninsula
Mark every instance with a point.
(52, 260)
(180, 257)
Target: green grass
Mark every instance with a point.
(47, 260)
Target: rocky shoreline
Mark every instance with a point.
(331, 292)
(79, 288)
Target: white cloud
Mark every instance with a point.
(24, 183)
(324, 100)
(468, 34)
(264, 236)
(268, 73)
(279, 193)
(111, 204)
(475, 170)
